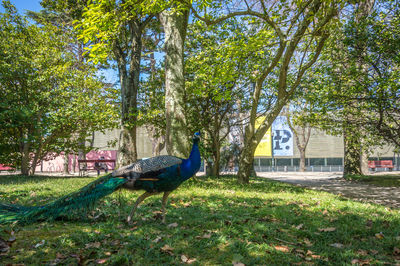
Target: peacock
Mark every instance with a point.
(160, 174)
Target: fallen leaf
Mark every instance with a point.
(362, 252)
(328, 229)
(379, 235)
(184, 258)
(190, 261)
(360, 262)
(167, 249)
(93, 245)
(299, 226)
(325, 212)
(187, 260)
(41, 243)
(307, 242)
(60, 256)
(236, 263)
(158, 238)
(282, 248)
(187, 204)
(337, 245)
(206, 236)
(173, 225)
(101, 261)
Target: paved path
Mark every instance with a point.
(333, 183)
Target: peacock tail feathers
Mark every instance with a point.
(68, 205)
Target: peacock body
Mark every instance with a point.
(154, 175)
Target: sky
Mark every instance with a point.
(23, 5)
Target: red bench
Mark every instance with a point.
(5, 168)
(87, 165)
(381, 164)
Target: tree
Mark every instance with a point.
(284, 27)
(358, 94)
(214, 77)
(301, 129)
(48, 106)
(174, 22)
(114, 31)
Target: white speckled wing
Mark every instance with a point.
(147, 165)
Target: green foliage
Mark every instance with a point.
(217, 222)
(50, 101)
(356, 84)
(216, 79)
(104, 22)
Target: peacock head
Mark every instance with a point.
(196, 137)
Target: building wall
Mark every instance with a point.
(144, 144)
(322, 145)
(323, 149)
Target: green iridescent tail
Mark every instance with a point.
(83, 199)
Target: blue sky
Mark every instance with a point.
(23, 5)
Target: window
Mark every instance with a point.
(334, 161)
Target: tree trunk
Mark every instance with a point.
(355, 160)
(302, 160)
(25, 160)
(129, 79)
(246, 166)
(216, 161)
(352, 153)
(66, 163)
(302, 139)
(175, 25)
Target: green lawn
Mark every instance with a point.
(209, 221)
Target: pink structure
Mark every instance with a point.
(57, 164)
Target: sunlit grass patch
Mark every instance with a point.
(209, 221)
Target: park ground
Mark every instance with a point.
(210, 221)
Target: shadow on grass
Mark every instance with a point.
(261, 223)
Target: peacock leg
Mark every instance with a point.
(164, 202)
(138, 201)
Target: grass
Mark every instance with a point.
(391, 180)
(209, 222)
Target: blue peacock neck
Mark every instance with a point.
(191, 165)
